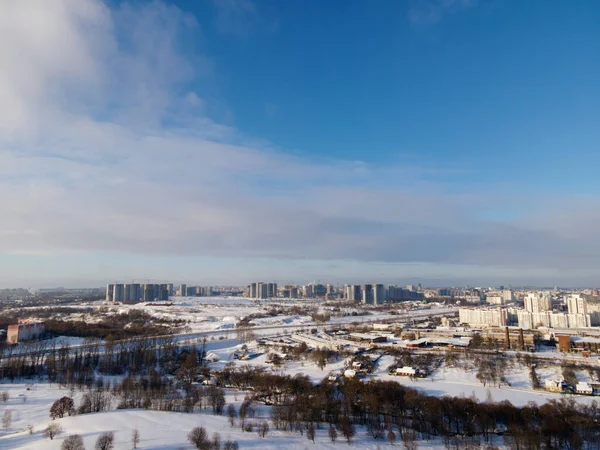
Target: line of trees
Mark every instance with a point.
(387, 405)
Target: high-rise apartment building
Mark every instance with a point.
(148, 292)
(182, 290)
(353, 292)
(367, 293)
(308, 291)
(576, 304)
(537, 303)
(118, 292)
(378, 294)
(262, 290)
(109, 292)
(271, 290)
(508, 295)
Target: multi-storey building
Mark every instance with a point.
(109, 292)
(271, 290)
(378, 294)
(262, 290)
(253, 290)
(535, 302)
(25, 330)
(367, 293)
(353, 292)
(496, 317)
(508, 295)
(308, 291)
(576, 304)
(494, 298)
(118, 292)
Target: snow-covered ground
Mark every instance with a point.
(158, 430)
(459, 382)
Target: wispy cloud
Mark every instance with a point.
(429, 12)
(236, 17)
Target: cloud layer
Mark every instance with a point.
(104, 149)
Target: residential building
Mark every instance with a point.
(148, 292)
(25, 330)
(508, 295)
(576, 304)
(378, 294)
(262, 291)
(353, 292)
(182, 290)
(494, 298)
(109, 292)
(496, 317)
(537, 302)
(271, 290)
(308, 291)
(118, 293)
(367, 293)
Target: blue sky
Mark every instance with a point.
(220, 141)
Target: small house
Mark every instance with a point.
(583, 388)
(406, 371)
(554, 385)
(350, 373)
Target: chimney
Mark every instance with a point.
(521, 339)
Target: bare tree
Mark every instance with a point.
(106, 441)
(409, 439)
(61, 407)
(310, 432)
(347, 428)
(231, 445)
(199, 438)
(4, 396)
(73, 442)
(7, 419)
(332, 433)
(263, 429)
(135, 438)
(231, 413)
(391, 436)
(52, 430)
(216, 441)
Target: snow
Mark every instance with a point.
(158, 429)
(458, 382)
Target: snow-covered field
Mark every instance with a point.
(30, 404)
(458, 382)
(158, 430)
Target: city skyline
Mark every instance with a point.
(441, 142)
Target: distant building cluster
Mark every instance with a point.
(194, 291)
(378, 293)
(538, 312)
(371, 294)
(135, 292)
(263, 290)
